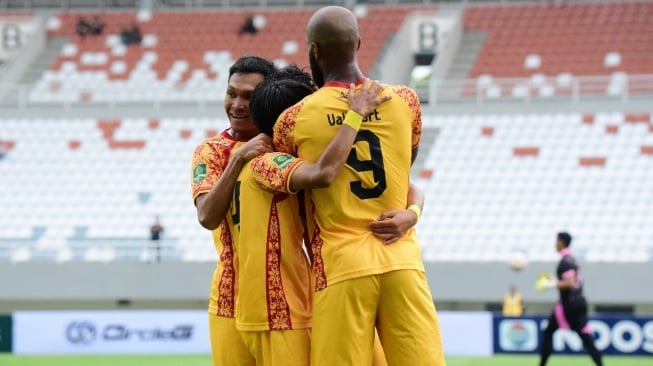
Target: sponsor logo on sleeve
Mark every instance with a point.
(283, 160)
(199, 173)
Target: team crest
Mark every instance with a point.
(282, 160)
(199, 173)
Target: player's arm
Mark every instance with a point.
(413, 154)
(322, 173)
(416, 126)
(212, 206)
(568, 280)
(545, 281)
(392, 225)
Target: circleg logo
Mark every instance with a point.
(81, 332)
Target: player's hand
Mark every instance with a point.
(367, 98)
(259, 144)
(392, 225)
(545, 281)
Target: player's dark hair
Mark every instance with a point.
(565, 239)
(252, 64)
(272, 97)
(293, 72)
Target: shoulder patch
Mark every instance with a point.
(199, 173)
(282, 160)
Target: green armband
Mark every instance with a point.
(353, 120)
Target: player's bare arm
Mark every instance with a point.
(212, 207)
(392, 225)
(326, 169)
(567, 282)
(413, 154)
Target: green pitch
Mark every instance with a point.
(555, 360)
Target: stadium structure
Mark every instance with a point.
(537, 118)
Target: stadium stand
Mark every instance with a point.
(581, 39)
(184, 55)
(494, 184)
(499, 183)
(93, 186)
(87, 188)
(553, 43)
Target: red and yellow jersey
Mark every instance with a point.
(209, 161)
(272, 172)
(375, 179)
(274, 273)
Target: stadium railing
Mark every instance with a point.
(159, 4)
(619, 86)
(104, 4)
(481, 90)
(106, 250)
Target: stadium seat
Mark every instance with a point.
(535, 175)
(178, 59)
(95, 195)
(526, 39)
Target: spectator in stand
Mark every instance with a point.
(248, 26)
(83, 28)
(131, 35)
(96, 27)
(156, 231)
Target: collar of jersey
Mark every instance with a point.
(228, 135)
(565, 251)
(341, 84)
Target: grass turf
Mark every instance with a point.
(555, 360)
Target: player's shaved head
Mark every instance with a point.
(333, 25)
(332, 33)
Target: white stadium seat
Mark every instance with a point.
(534, 175)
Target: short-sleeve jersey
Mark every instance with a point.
(274, 273)
(209, 161)
(568, 267)
(272, 172)
(375, 179)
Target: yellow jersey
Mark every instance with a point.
(512, 305)
(374, 180)
(209, 161)
(274, 273)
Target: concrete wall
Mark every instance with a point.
(458, 286)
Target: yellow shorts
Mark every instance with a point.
(279, 347)
(398, 303)
(378, 357)
(227, 347)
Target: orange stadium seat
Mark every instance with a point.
(186, 37)
(569, 38)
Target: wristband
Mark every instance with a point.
(353, 120)
(416, 210)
